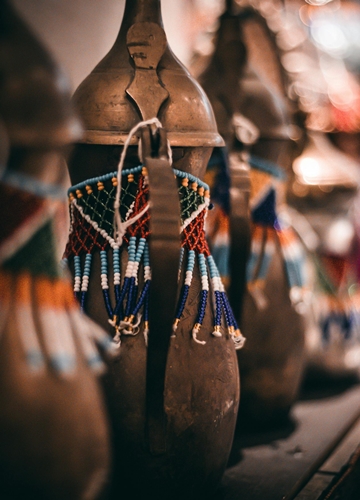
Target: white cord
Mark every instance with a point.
(119, 226)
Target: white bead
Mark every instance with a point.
(135, 269)
(147, 273)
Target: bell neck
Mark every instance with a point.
(136, 11)
(140, 11)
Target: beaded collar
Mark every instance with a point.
(92, 230)
(269, 230)
(36, 302)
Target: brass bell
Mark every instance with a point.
(273, 363)
(257, 120)
(51, 412)
(323, 194)
(172, 398)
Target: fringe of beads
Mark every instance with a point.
(207, 267)
(52, 331)
(263, 246)
(269, 231)
(339, 319)
(132, 305)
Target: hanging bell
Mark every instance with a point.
(324, 195)
(51, 411)
(173, 393)
(273, 365)
(272, 359)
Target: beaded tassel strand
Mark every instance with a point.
(85, 280)
(105, 283)
(117, 275)
(218, 288)
(203, 298)
(77, 276)
(186, 287)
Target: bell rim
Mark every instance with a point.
(177, 139)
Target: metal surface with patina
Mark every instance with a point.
(152, 76)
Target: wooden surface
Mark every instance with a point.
(281, 464)
(332, 466)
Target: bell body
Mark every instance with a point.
(201, 395)
(54, 432)
(201, 401)
(54, 435)
(201, 382)
(52, 413)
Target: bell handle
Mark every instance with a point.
(240, 232)
(164, 248)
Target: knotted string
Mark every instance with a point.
(119, 226)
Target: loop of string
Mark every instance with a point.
(119, 226)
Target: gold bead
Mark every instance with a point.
(79, 193)
(194, 186)
(71, 197)
(201, 191)
(88, 189)
(100, 186)
(131, 178)
(144, 171)
(114, 181)
(207, 193)
(185, 182)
